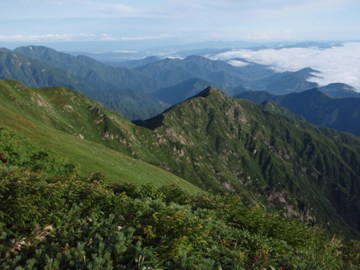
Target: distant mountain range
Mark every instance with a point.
(339, 90)
(40, 66)
(182, 91)
(219, 73)
(286, 82)
(317, 108)
(143, 88)
(135, 63)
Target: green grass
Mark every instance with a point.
(90, 156)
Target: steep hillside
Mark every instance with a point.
(53, 218)
(316, 107)
(264, 153)
(217, 143)
(78, 130)
(32, 72)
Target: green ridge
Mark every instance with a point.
(41, 116)
(217, 143)
(265, 153)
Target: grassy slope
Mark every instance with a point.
(18, 112)
(217, 143)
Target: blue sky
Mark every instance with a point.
(32, 21)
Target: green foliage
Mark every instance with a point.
(18, 151)
(51, 218)
(80, 222)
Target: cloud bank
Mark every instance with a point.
(336, 64)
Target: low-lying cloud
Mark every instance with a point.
(336, 64)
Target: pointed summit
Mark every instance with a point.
(208, 91)
(157, 121)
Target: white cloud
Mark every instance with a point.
(117, 8)
(269, 35)
(237, 63)
(47, 37)
(279, 7)
(336, 64)
(145, 37)
(80, 37)
(125, 51)
(110, 8)
(107, 37)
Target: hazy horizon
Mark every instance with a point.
(97, 26)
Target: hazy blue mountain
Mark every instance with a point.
(309, 44)
(40, 66)
(181, 91)
(219, 73)
(126, 90)
(86, 68)
(135, 63)
(33, 72)
(151, 74)
(234, 91)
(339, 90)
(316, 107)
(285, 82)
(113, 57)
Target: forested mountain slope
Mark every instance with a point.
(317, 108)
(235, 145)
(217, 143)
(53, 218)
(116, 88)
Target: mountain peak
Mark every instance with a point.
(208, 91)
(158, 120)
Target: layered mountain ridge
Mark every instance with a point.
(37, 66)
(147, 86)
(214, 142)
(316, 107)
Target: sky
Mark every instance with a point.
(157, 21)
